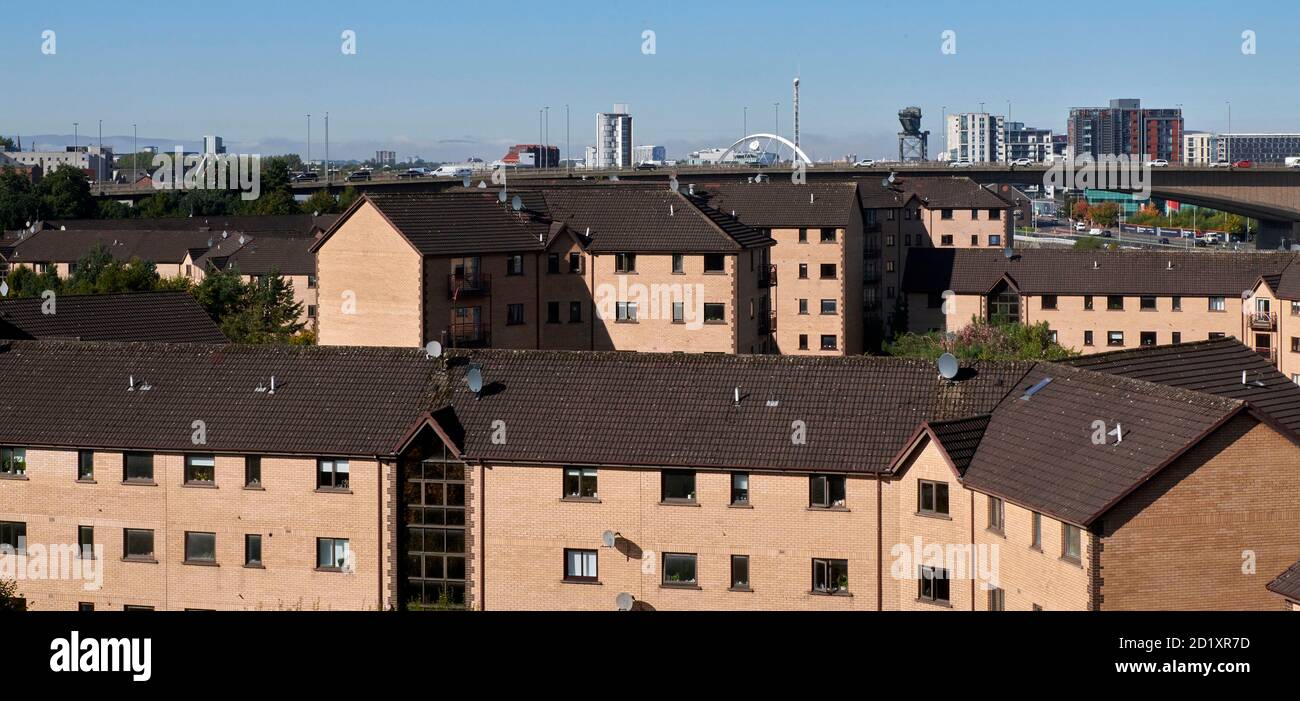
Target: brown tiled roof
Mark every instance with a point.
(960, 437)
(645, 219)
(1287, 584)
(784, 204)
(955, 192)
(327, 401)
(59, 246)
(678, 410)
(1039, 452)
(165, 317)
(873, 194)
(459, 223)
(1287, 282)
(1213, 367)
(297, 225)
(258, 256)
(1069, 272)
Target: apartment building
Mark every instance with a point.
(59, 250)
(1092, 300)
(1272, 318)
(577, 267)
(377, 478)
(159, 316)
(818, 257)
(1126, 128)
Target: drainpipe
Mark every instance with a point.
(482, 536)
(379, 503)
(880, 546)
(537, 272)
(974, 565)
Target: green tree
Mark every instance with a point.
(349, 196)
(65, 194)
(7, 144)
(9, 598)
(222, 293)
(1089, 243)
(321, 201)
(981, 340)
(270, 314)
(25, 282)
(18, 201)
(113, 209)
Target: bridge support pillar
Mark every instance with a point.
(1277, 233)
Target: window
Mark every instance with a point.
(995, 239)
(934, 585)
(889, 266)
(552, 312)
(1147, 303)
(828, 271)
(974, 215)
(803, 236)
(932, 498)
(677, 486)
(1177, 337)
(945, 240)
(803, 341)
(1036, 531)
(889, 238)
(679, 263)
(830, 576)
(625, 262)
(514, 264)
(625, 311)
(1087, 302)
(828, 306)
(715, 313)
(514, 314)
(85, 466)
(829, 342)
(579, 483)
(252, 550)
(1070, 542)
(85, 606)
(579, 565)
(331, 553)
(803, 271)
(1049, 301)
(252, 472)
(200, 469)
(13, 462)
(1216, 304)
(1147, 338)
(715, 263)
(995, 214)
(13, 536)
(1295, 308)
(1115, 302)
(311, 311)
(740, 572)
(331, 474)
(86, 542)
(828, 236)
(803, 306)
(997, 599)
(1295, 344)
(137, 467)
(1114, 338)
(200, 547)
(1004, 305)
(575, 312)
(740, 489)
(434, 537)
(1216, 335)
(130, 607)
(974, 239)
(826, 491)
(679, 570)
(1178, 303)
(946, 214)
(1087, 337)
(997, 514)
(679, 312)
(552, 263)
(137, 544)
(575, 262)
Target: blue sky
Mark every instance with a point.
(454, 79)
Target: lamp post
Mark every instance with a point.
(135, 157)
(776, 116)
(1227, 141)
(744, 124)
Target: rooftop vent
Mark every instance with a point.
(1096, 265)
(670, 210)
(1170, 265)
(1038, 387)
(773, 403)
(812, 198)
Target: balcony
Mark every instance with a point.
(871, 276)
(467, 335)
(767, 276)
(460, 286)
(767, 324)
(1263, 321)
(1270, 353)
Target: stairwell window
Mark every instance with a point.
(332, 474)
(997, 514)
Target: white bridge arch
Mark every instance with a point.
(761, 143)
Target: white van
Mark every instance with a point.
(452, 172)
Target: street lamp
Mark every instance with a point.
(1227, 142)
(776, 112)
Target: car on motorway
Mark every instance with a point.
(1106, 234)
(306, 177)
(1094, 231)
(1221, 164)
(411, 173)
(960, 164)
(1164, 240)
(647, 165)
(1021, 162)
(1080, 226)
(1292, 161)
(1241, 164)
(864, 163)
(357, 176)
(1158, 163)
(452, 172)
(1200, 243)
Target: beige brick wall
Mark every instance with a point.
(655, 331)
(788, 254)
(966, 229)
(288, 513)
(528, 527)
(1032, 576)
(366, 261)
(1181, 541)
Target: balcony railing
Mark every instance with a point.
(1270, 353)
(468, 335)
(1263, 321)
(460, 286)
(767, 323)
(767, 275)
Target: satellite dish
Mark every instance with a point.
(613, 178)
(672, 183)
(501, 196)
(608, 538)
(474, 378)
(482, 184)
(517, 203)
(884, 182)
(892, 177)
(1009, 252)
(4, 289)
(948, 366)
(624, 601)
(1245, 294)
(433, 350)
(464, 181)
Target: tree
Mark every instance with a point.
(113, 209)
(349, 196)
(7, 144)
(222, 292)
(26, 282)
(18, 201)
(1105, 214)
(321, 201)
(270, 314)
(9, 599)
(1089, 243)
(981, 340)
(65, 194)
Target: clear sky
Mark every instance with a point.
(449, 80)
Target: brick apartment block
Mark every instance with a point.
(376, 478)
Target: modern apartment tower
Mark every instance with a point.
(613, 138)
(1126, 128)
(975, 137)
